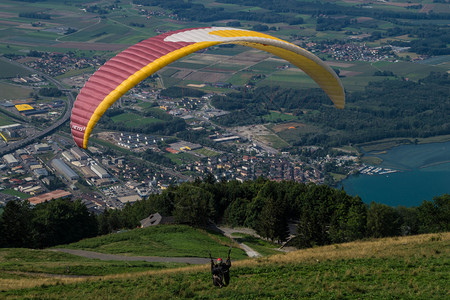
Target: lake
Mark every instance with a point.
(424, 173)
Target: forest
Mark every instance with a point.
(322, 215)
(392, 108)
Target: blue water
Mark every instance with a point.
(425, 173)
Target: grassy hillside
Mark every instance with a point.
(407, 267)
(163, 241)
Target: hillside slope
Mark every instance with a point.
(406, 267)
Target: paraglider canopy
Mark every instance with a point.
(141, 60)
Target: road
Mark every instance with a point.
(228, 232)
(28, 140)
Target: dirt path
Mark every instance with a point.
(104, 256)
(229, 233)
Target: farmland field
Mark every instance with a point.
(5, 120)
(273, 140)
(12, 91)
(134, 120)
(279, 117)
(8, 70)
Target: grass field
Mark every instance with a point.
(8, 70)
(12, 91)
(5, 120)
(182, 157)
(277, 117)
(50, 262)
(133, 120)
(163, 241)
(414, 267)
(15, 193)
(207, 152)
(274, 140)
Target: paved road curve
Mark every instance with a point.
(103, 256)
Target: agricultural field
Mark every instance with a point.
(9, 71)
(133, 120)
(5, 120)
(277, 117)
(273, 140)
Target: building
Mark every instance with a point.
(129, 198)
(226, 139)
(67, 156)
(78, 154)
(42, 147)
(49, 196)
(10, 160)
(64, 169)
(100, 171)
(156, 219)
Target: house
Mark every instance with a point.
(156, 219)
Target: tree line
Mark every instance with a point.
(47, 224)
(322, 215)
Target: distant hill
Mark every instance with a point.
(403, 267)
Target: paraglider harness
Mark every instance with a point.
(221, 271)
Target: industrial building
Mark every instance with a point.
(11, 126)
(78, 154)
(100, 171)
(64, 169)
(10, 160)
(49, 196)
(69, 157)
(42, 147)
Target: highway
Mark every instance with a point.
(28, 140)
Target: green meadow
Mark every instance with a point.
(163, 241)
(412, 267)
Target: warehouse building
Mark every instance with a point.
(64, 169)
(42, 147)
(78, 154)
(100, 171)
(10, 160)
(69, 157)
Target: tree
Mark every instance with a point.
(349, 218)
(192, 205)
(410, 220)
(62, 221)
(272, 221)
(382, 221)
(434, 216)
(236, 212)
(16, 224)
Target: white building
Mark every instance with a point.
(67, 156)
(42, 147)
(10, 160)
(102, 173)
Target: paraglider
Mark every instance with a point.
(128, 68)
(220, 271)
